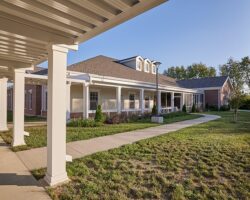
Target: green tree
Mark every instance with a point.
(245, 64)
(99, 117)
(235, 71)
(199, 70)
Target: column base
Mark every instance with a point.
(56, 180)
(19, 143)
(5, 128)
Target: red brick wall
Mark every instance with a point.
(225, 94)
(211, 97)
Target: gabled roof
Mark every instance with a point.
(106, 66)
(217, 81)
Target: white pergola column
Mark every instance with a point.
(68, 88)
(86, 101)
(3, 104)
(159, 102)
(56, 115)
(18, 107)
(172, 101)
(118, 99)
(142, 101)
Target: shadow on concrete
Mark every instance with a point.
(19, 180)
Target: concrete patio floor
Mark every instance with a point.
(16, 182)
(37, 158)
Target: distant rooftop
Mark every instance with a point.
(207, 82)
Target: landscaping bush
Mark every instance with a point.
(154, 110)
(245, 103)
(193, 108)
(84, 123)
(213, 108)
(184, 108)
(99, 116)
(225, 108)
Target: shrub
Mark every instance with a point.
(154, 110)
(213, 108)
(99, 117)
(184, 109)
(84, 123)
(245, 104)
(225, 108)
(207, 107)
(193, 108)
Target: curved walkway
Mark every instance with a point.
(36, 158)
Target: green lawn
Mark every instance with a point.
(26, 118)
(207, 161)
(38, 135)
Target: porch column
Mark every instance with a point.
(182, 100)
(172, 101)
(142, 101)
(159, 102)
(56, 115)
(86, 101)
(3, 104)
(68, 87)
(18, 107)
(118, 99)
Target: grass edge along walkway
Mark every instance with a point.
(37, 158)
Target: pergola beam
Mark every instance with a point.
(33, 32)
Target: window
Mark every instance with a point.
(46, 100)
(93, 100)
(153, 69)
(25, 100)
(30, 99)
(139, 65)
(131, 101)
(147, 67)
(146, 102)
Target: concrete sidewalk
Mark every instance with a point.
(36, 158)
(16, 182)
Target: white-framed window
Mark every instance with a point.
(30, 100)
(93, 100)
(146, 67)
(131, 101)
(46, 100)
(25, 100)
(153, 69)
(147, 102)
(139, 65)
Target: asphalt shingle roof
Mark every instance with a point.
(216, 81)
(106, 66)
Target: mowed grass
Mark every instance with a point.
(38, 135)
(207, 161)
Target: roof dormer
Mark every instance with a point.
(147, 65)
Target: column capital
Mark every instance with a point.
(57, 47)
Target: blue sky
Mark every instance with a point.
(179, 32)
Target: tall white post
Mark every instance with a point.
(182, 100)
(142, 101)
(68, 87)
(56, 115)
(18, 107)
(159, 102)
(86, 101)
(172, 101)
(3, 104)
(118, 99)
